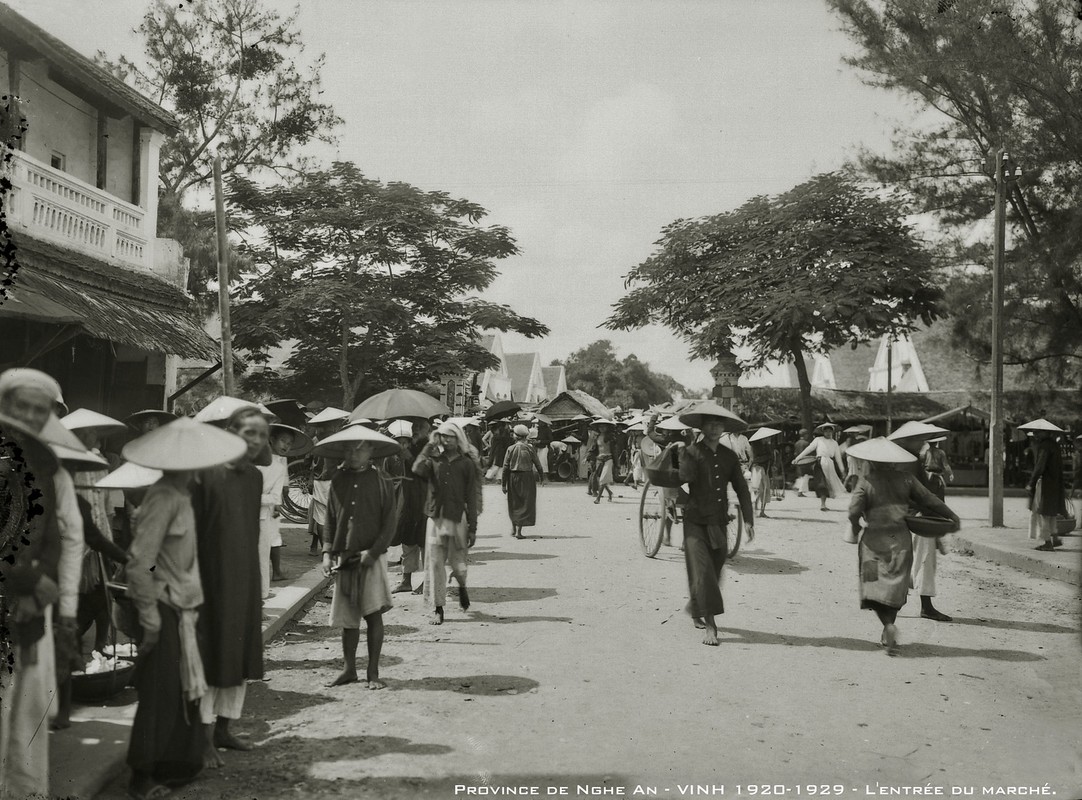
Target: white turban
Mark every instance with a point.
(26, 378)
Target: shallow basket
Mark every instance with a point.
(806, 461)
(100, 685)
(1064, 525)
(930, 526)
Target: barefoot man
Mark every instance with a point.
(362, 515)
(709, 469)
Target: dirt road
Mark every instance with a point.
(577, 668)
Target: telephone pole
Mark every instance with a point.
(995, 427)
(223, 280)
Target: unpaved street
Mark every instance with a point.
(577, 667)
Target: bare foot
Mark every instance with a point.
(698, 623)
(420, 589)
(347, 676)
(890, 639)
(212, 759)
(463, 598)
(376, 683)
(711, 637)
(227, 741)
(280, 577)
(402, 587)
(437, 617)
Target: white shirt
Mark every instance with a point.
(70, 522)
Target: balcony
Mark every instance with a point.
(51, 205)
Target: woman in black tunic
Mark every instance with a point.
(521, 472)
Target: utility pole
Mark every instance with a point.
(223, 279)
(890, 381)
(995, 426)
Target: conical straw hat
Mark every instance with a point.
(185, 445)
(1041, 425)
(54, 432)
(163, 417)
(672, 424)
(85, 418)
(78, 460)
(697, 415)
(882, 451)
(917, 430)
(571, 440)
(339, 445)
(130, 476)
(763, 433)
(34, 448)
(222, 408)
(328, 414)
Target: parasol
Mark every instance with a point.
(504, 408)
(398, 403)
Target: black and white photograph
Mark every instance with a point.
(540, 398)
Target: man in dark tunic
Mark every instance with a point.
(709, 469)
(226, 502)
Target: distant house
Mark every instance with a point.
(573, 403)
(98, 300)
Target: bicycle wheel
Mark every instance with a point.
(296, 497)
(653, 518)
(734, 532)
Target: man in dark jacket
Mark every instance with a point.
(709, 469)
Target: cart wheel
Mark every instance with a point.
(654, 518)
(734, 532)
(563, 471)
(296, 497)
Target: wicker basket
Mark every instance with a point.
(932, 527)
(101, 685)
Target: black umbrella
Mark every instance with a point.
(504, 408)
(290, 412)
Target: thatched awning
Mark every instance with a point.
(106, 301)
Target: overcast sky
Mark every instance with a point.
(584, 126)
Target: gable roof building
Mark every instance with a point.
(555, 380)
(527, 380)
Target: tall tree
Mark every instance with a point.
(993, 73)
(826, 264)
(369, 281)
(231, 72)
(630, 383)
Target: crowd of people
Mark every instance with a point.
(175, 539)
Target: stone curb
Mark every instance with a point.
(1066, 567)
(84, 772)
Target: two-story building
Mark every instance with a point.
(90, 293)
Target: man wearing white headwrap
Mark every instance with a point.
(29, 396)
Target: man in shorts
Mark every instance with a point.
(362, 516)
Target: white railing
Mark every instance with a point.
(54, 206)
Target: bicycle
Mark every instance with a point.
(660, 510)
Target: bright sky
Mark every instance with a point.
(584, 126)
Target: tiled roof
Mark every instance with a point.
(17, 32)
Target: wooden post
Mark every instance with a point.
(136, 185)
(890, 382)
(223, 279)
(995, 425)
(102, 149)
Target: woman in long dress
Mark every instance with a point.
(1046, 488)
(828, 467)
(885, 493)
(521, 473)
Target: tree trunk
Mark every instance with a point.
(805, 387)
(343, 367)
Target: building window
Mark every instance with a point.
(58, 161)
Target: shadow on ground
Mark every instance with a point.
(913, 650)
(759, 562)
(506, 620)
(485, 556)
(1015, 625)
(490, 594)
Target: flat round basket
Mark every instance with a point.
(101, 685)
(1064, 525)
(806, 461)
(930, 526)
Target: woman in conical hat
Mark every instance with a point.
(167, 742)
(885, 492)
(1046, 486)
(828, 467)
